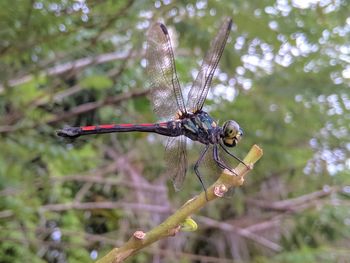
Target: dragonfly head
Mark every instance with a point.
(232, 133)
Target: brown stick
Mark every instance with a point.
(94, 105)
(73, 65)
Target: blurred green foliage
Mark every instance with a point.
(284, 77)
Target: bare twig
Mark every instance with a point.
(6, 213)
(99, 176)
(100, 179)
(110, 21)
(293, 203)
(242, 232)
(172, 224)
(73, 65)
(83, 109)
(82, 191)
(105, 205)
(94, 105)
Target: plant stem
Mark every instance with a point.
(171, 225)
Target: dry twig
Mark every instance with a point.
(171, 226)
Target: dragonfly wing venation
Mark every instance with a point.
(167, 97)
(176, 158)
(201, 85)
(166, 91)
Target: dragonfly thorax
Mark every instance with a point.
(201, 127)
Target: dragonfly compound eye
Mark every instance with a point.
(232, 133)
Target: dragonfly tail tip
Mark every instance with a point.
(70, 132)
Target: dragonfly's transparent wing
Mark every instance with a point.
(210, 170)
(201, 85)
(166, 91)
(176, 157)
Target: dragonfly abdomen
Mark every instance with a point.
(163, 128)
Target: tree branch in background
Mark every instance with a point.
(226, 227)
(83, 108)
(110, 21)
(293, 203)
(96, 104)
(72, 65)
(105, 205)
(172, 224)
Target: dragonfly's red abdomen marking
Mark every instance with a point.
(126, 125)
(88, 128)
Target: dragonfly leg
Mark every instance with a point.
(220, 163)
(232, 155)
(196, 166)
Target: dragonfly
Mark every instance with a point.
(184, 118)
